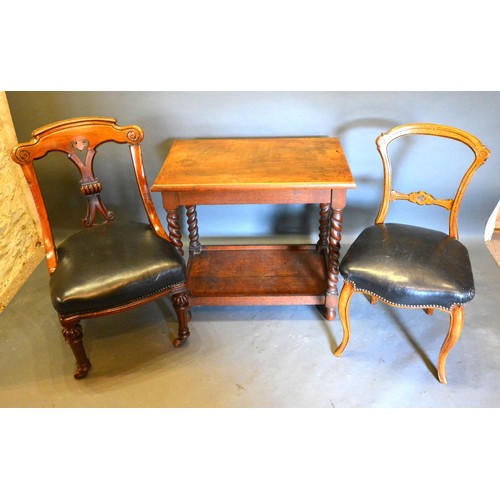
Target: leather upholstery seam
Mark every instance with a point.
(362, 290)
(87, 311)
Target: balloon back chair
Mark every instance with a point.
(411, 266)
(107, 266)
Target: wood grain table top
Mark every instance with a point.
(254, 164)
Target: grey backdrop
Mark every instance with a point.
(357, 118)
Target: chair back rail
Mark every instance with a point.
(79, 138)
(480, 152)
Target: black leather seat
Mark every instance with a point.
(112, 265)
(411, 266)
(385, 258)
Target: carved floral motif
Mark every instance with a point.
(73, 334)
(422, 198)
(80, 144)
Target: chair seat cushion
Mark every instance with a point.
(410, 266)
(111, 265)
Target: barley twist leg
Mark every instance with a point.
(174, 229)
(192, 218)
(333, 263)
(324, 227)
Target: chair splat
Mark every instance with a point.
(421, 198)
(90, 186)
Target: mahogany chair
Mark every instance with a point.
(105, 267)
(410, 266)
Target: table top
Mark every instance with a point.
(246, 164)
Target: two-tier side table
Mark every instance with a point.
(252, 171)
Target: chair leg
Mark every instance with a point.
(180, 300)
(343, 308)
(73, 335)
(456, 324)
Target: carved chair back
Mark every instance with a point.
(79, 138)
(480, 152)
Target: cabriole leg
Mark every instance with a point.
(343, 307)
(73, 335)
(456, 324)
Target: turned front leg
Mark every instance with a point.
(73, 335)
(333, 263)
(174, 229)
(180, 300)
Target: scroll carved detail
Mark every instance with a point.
(23, 155)
(422, 198)
(484, 152)
(133, 135)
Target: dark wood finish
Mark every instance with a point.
(174, 229)
(73, 336)
(89, 186)
(324, 226)
(180, 301)
(79, 138)
(244, 197)
(257, 275)
(192, 217)
(481, 154)
(253, 171)
(333, 262)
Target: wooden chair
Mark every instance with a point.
(106, 267)
(410, 266)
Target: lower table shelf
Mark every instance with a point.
(257, 275)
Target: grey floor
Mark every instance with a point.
(254, 357)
